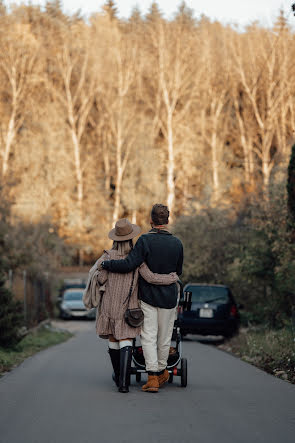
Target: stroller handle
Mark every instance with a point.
(185, 297)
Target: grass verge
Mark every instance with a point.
(32, 343)
(270, 350)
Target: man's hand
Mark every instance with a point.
(134, 259)
(102, 265)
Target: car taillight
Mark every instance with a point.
(233, 311)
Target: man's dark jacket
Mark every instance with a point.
(163, 253)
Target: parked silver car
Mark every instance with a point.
(72, 305)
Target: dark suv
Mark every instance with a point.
(212, 310)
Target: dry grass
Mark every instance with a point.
(270, 350)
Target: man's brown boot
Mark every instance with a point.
(152, 384)
(163, 378)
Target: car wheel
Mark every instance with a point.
(170, 378)
(183, 372)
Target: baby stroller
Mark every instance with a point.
(176, 364)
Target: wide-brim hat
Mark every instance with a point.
(124, 230)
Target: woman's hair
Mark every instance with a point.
(123, 247)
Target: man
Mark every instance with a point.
(163, 253)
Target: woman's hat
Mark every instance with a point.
(124, 230)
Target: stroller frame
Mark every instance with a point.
(176, 364)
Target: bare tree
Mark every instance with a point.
(75, 91)
(170, 86)
(100, 119)
(119, 104)
(265, 92)
(285, 123)
(18, 60)
(214, 104)
(245, 127)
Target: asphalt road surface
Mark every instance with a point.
(65, 395)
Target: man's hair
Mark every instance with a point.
(160, 214)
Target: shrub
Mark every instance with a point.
(291, 185)
(11, 317)
(253, 254)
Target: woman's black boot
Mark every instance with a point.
(115, 359)
(125, 365)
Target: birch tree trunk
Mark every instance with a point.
(77, 163)
(134, 216)
(118, 183)
(215, 172)
(79, 177)
(170, 165)
(266, 170)
(107, 165)
(216, 107)
(244, 142)
(8, 141)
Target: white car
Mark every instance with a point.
(72, 305)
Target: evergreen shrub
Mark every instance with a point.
(291, 185)
(11, 317)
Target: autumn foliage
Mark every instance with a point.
(102, 118)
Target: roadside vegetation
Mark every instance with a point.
(33, 342)
(39, 250)
(253, 252)
(33, 250)
(272, 350)
(36, 247)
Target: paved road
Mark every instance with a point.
(65, 395)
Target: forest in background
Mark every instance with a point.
(102, 118)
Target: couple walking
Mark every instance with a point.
(147, 273)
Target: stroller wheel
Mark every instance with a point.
(138, 377)
(170, 378)
(183, 372)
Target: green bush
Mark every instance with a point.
(11, 318)
(252, 253)
(291, 185)
(36, 247)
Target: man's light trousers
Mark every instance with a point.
(156, 334)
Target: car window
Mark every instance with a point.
(208, 294)
(73, 295)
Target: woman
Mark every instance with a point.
(110, 323)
